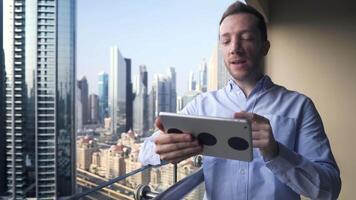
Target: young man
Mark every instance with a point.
(292, 155)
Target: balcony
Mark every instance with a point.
(113, 189)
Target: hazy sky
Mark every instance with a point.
(157, 33)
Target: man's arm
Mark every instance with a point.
(310, 169)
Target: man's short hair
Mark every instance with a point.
(238, 7)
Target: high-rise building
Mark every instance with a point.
(218, 75)
(78, 110)
(94, 108)
(203, 77)
(129, 96)
(120, 92)
(103, 92)
(173, 91)
(2, 112)
(192, 83)
(162, 84)
(186, 98)
(84, 97)
(140, 104)
(40, 98)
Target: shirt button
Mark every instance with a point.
(242, 171)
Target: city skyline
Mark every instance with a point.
(154, 34)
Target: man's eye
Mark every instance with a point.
(224, 42)
(247, 37)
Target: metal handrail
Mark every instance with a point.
(110, 182)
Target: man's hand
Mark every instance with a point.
(175, 147)
(262, 135)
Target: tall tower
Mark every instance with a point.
(117, 91)
(192, 82)
(203, 77)
(173, 92)
(84, 96)
(40, 92)
(2, 111)
(103, 92)
(94, 108)
(162, 84)
(218, 75)
(140, 114)
(129, 96)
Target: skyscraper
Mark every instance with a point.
(140, 114)
(103, 86)
(129, 96)
(40, 92)
(84, 96)
(94, 108)
(203, 77)
(192, 82)
(218, 75)
(2, 112)
(162, 84)
(118, 91)
(173, 90)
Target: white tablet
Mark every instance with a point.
(221, 137)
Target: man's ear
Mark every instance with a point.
(265, 47)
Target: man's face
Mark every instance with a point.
(242, 47)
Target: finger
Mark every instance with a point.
(261, 143)
(165, 148)
(184, 157)
(159, 124)
(173, 138)
(176, 155)
(244, 115)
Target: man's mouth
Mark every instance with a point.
(238, 62)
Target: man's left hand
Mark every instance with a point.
(262, 134)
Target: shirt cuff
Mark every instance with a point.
(286, 159)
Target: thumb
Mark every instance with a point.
(244, 115)
(159, 124)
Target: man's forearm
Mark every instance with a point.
(316, 180)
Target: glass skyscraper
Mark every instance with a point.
(140, 104)
(40, 96)
(117, 91)
(103, 87)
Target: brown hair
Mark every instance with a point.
(238, 7)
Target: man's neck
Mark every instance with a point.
(248, 85)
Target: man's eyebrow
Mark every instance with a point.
(225, 35)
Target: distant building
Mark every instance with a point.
(173, 91)
(94, 108)
(192, 83)
(84, 97)
(140, 104)
(129, 96)
(117, 91)
(86, 146)
(103, 92)
(203, 77)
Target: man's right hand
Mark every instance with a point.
(175, 147)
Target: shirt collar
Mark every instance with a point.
(263, 84)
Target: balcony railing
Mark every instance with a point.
(142, 192)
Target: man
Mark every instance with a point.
(292, 155)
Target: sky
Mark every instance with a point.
(156, 33)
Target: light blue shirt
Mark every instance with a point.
(305, 164)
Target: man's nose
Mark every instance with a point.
(236, 47)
